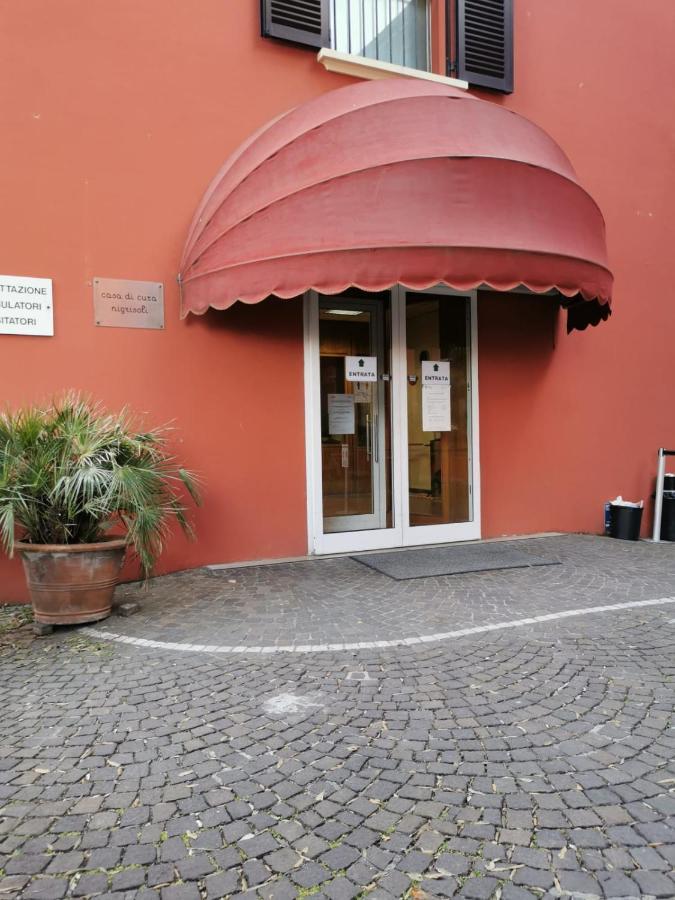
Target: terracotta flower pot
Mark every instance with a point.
(72, 583)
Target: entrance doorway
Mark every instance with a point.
(391, 413)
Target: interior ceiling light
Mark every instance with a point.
(344, 312)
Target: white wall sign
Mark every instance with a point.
(128, 304)
(436, 412)
(361, 368)
(435, 372)
(340, 414)
(26, 306)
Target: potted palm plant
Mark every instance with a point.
(78, 486)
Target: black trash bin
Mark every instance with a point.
(668, 516)
(625, 522)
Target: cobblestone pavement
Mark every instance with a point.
(534, 762)
(338, 600)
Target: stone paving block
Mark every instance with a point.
(221, 885)
(515, 892)
(310, 875)
(341, 889)
(11, 885)
(536, 878)
(415, 862)
(192, 868)
(620, 858)
(655, 883)
(361, 873)
(172, 849)
(310, 846)
(227, 858)
(439, 887)
(616, 884)
(394, 883)
(278, 889)
(588, 837)
(579, 882)
(181, 892)
(46, 889)
(648, 858)
(96, 883)
(340, 857)
(429, 841)
(283, 861)
(289, 830)
(362, 838)
(105, 858)
(26, 865)
(160, 874)
(255, 872)
(258, 845)
(128, 879)
(452, 864)
(537, 859)
(139, 855)
(481, 888)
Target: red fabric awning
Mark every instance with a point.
(396, 181)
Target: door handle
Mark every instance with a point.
(376, 437)
(368, 451)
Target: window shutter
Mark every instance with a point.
(485, 43)
(300, 21)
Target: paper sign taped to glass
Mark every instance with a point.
(340, 414)
(436, 410)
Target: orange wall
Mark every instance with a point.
(116, 116)
(562, 434)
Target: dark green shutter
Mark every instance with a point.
(485, 43)
(300, 21)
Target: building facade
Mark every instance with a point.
(367, 410)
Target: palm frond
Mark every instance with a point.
(71, 470)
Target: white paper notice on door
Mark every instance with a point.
(360, 368)
(340, 414)
(436, 411)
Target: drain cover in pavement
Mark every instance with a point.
(424, 563)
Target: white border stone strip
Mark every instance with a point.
(368, 645)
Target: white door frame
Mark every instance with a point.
(401, 534)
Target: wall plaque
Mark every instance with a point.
(128, 304)
(26, 305)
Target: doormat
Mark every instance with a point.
(459, 560)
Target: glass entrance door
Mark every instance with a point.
(439, 415)
(355, 409)
(391, 413)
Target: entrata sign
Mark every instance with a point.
(26, 306)
(435, 372)
(128, 304)
(361, 368)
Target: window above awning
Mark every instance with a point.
(397, 181)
